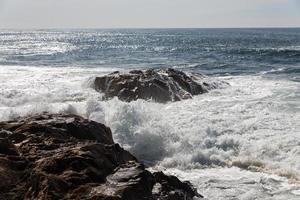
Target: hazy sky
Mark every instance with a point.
(148, 13)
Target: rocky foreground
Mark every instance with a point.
(56, 156)
(157, 85)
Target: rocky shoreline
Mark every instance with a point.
(59, 156)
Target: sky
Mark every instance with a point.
(28, 14)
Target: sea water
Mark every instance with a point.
(238, 142)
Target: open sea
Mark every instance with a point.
(241, 142)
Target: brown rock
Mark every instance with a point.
(161, 86)
(67, 157)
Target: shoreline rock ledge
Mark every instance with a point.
(158, 85)
(58, 156)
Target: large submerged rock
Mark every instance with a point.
(158, 85)
(67, 157)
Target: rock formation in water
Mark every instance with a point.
(56, 156)
(158, 85)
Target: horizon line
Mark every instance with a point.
(106, 28)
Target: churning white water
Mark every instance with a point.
(239, 142)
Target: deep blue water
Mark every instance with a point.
(210, 51)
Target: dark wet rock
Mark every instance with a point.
(158, 85)
(170, 187)
(56, 156)
(128, 181)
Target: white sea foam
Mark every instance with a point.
(254, 124)
(284, 48)
(234, 183)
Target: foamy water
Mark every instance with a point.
(239, 142)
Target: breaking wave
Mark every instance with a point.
(252, 125)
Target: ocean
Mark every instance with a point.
(239, 142)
